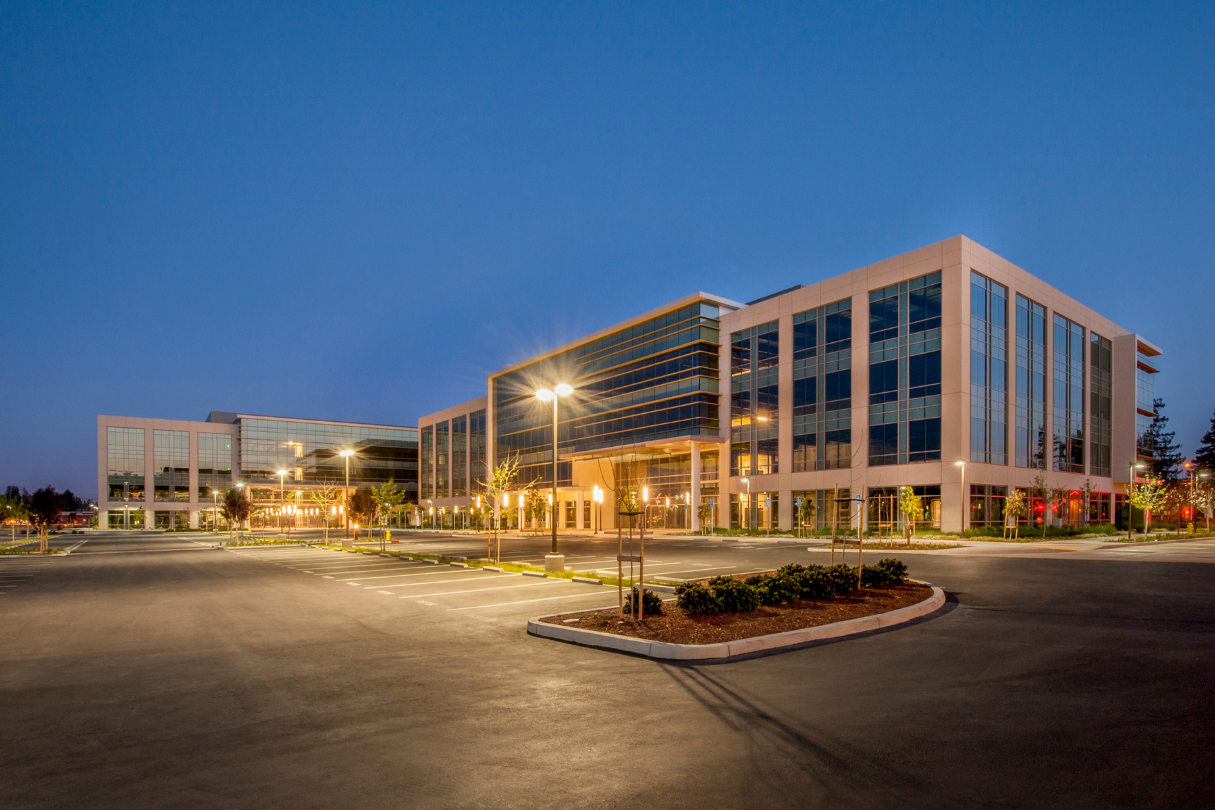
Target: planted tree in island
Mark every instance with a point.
(499, 481)
(1015, 507)
(806, 512)
(43, 510)
(387, 497)
(912, 507)
(1146, 497)
(326, 497)
(235, 508)
(361, 509)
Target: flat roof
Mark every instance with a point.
(224, 417)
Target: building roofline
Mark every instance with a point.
(645, 316)
(316, 421)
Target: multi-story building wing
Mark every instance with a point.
(948, 370)
(158, 473)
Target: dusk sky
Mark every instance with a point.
(355, 211)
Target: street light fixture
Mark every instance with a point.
(215, 510)
(346, 454)
(965, 506)
(557, 564)
(747, 481)
(1130, 489)
(281, 474)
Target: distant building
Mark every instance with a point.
(160, 473)
(948, 369)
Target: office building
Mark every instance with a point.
(947, 369)
(160, 473)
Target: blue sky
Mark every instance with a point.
(354, 211)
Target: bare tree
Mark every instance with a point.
(499, 480)
(326, 497)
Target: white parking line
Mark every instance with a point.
(441, 581)
(430, 573)
(479, 590)
(526, 601)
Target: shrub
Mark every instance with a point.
(734, 595)
(886, 573)
(652, 602)
(696, 600)
(840, 579)
(817, 583)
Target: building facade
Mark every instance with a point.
(159, 473)
(947, 369)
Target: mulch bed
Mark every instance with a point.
(676, 627)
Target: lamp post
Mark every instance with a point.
(215, 510)
(747, 481)
(346, 454)
(1206, 510)
(965, 507)
(1130, 507)
(281, 475)
(554, 562)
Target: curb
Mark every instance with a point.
(727, 650)
(588, 580)
(534, 574)
(458, 565)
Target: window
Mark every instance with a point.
(459, 458)
(442, 448)
(988, 370)
(476, 446)
(905, 372)
(427, 455)
(1068, 395)
(1030, 441)
(1100, 408)
(755, 397)
(171, 473)
(125, 461)
(822, 384)
(214, 463)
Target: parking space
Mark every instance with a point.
(18, 570)
(435, 586)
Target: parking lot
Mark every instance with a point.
(151, 669)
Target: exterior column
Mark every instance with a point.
(694, 507)
(103, 518)
(578, 504)
(193, 518)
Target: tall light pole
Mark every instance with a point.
(281, 475)
(215, 510)
(346, 454)
(965, 500)
(747, 481)
(1130, 489)
(557, 562)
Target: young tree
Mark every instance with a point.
(235, 508)
(1016, 507)
(499, 480)
(536, 508)
(1204, 456)
(912, 508)
(1158, 440)
(1059, 497)
(386, 497)
(1147, 497)
(43, 510)
(806, 512)
(361, 509)
(705, 514)
(326, 496)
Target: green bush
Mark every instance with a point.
(816, 583)
(886, 573)
(696, 600)
(734, 595)
(840, 579)
(651, 601)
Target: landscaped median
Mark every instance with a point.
(729, 618)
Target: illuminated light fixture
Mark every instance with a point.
(550, 499)
(645, 494)
(478, 501)
(346, 453)
(668, 502)
(563, 390)
(762, 418)
(520, 500)
(505, 499)
(545, 395)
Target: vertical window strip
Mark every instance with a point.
(1068, 399)
(1031, 437)
(988, 370)
(822, 387)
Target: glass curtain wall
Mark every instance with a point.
(1145, 404)
(1068, 396)
(427, 461)
(1031, 440)
(987, 505)
(755, 395)
(905, 372)
(655, 380)
(988, 370)
(1100, 397)
(459, 456)
(171, 460)
(442, 448)
(476, 448)
(309, 452)
(125, 463)
(214, 463)
(822, 388)
(826, 509)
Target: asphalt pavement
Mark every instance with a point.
(155, 670)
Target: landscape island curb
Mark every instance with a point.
(661, 650)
